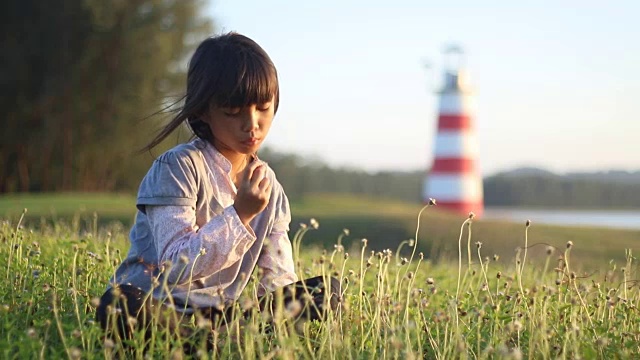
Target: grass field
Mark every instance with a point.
(397, 304)
(384, 223)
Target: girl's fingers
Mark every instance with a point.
(258, 175)
(247, 174)
(265, 185)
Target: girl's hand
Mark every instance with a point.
(254, 192)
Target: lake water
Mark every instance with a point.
(621, 219)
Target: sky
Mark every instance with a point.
(557, 83)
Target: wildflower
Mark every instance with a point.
(396, 343)
(517, 326)
(496, 257)
(527, 223)
(31, 333)
(314, 223)
(404, 261)
(203, 323)
(184, 259)
(346, 255)
(432, 202)
(345, 232)
(430, 281)
(75, 353)
(203, 251)
(478, 244)
(364, 241)
(246, 304)
(303, 226)
(516, 354)
(471, 215)
(131, 321)
(601, 341)
(177, 354)
(338, 248)
(550, 250)
(569, 244)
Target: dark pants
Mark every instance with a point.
(127, 308)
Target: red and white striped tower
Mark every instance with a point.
(454, 180)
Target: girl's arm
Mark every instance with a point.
(193, 252)
(276, 258)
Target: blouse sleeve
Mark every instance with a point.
(276, 258)
(171, 180)
(193, 252)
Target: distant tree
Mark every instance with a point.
(300, 176)
(78, 78)
(560, 191)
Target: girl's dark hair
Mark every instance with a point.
(229, 70)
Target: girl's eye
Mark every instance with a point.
(231, 111)
(264, 107)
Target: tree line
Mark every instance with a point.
(79, 77)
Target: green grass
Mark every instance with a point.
(395, 305)
(383, 222)
(51, 207)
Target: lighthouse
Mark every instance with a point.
(454, 179)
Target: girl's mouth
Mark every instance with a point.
(251, 141)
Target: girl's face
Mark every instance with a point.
(240, 130)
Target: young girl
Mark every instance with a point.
(209, 211)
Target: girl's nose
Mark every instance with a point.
(251, 121)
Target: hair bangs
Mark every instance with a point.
(248, 80)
